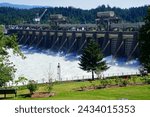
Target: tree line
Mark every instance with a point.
(75, 15)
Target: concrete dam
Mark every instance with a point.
(115, 37)
(115, 43)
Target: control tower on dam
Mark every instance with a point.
(113, 36)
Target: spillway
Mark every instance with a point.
(117, 44)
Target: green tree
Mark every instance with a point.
(32, 86)
(7, 69)
(144, 42)
(91, 59)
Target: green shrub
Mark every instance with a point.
(148, 81)
(32, 86)
(110, 81)
(134, 79)
(117, 80)
(104, 82)
(93, 85)
(49, 87)
(123, 82)
(145, 80)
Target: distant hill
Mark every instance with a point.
(19, 6)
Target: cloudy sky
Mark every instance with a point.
(84, 4)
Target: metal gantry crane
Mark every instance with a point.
(38, 19)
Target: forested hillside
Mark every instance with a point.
(74, 15)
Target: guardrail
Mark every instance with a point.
(87, 77)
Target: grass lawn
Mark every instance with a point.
(66, 91)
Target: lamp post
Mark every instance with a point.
(59, 72)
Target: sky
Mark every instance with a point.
(84, 4)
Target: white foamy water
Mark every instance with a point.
(38, 64)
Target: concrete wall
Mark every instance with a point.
(118, 44)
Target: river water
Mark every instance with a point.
(40, 64)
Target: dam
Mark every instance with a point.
(113, 37)
(118, 44)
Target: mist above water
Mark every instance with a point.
(39, 63)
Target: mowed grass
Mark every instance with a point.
(66, 91)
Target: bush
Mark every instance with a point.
(117, 80)
(145, 80)
(124, 82)
(104, 82)
(49, 87)
(110, 81)
(93, 85)
(148, 81)
(134, 80)
(32, 86)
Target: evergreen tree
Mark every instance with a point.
(91, 59)
(144, 42)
